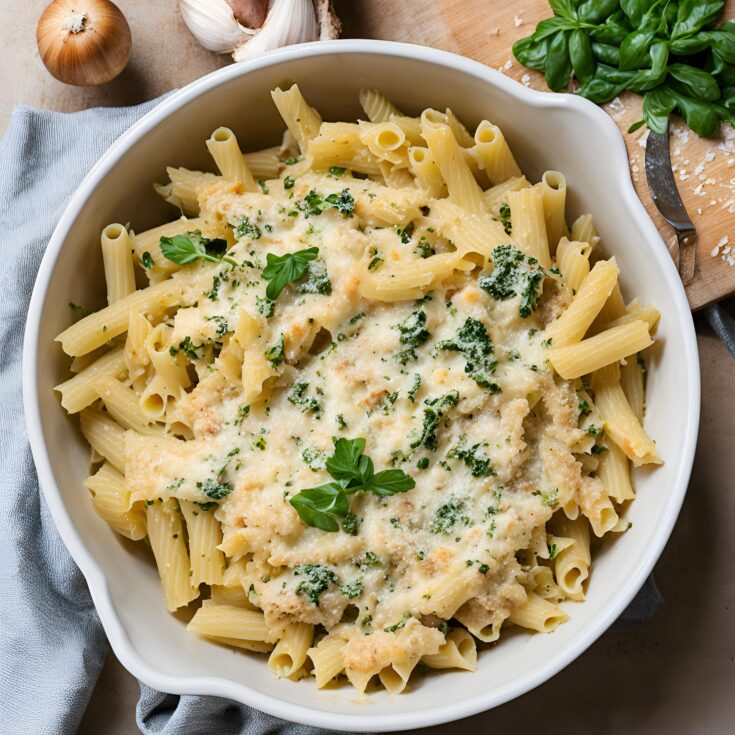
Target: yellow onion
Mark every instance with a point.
(83, 42)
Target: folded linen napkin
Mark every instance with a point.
(52, 645)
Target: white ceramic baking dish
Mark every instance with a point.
(546, 131)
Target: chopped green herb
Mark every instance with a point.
(316, 280)
(336, 170)
(367, 560)
(351, 524)
(505, 218)
(423, 463)
(412, 333)
(222, 327)
(288, 182)
(215, 489)
(247, 229)
(297, 396)
(448, 515)
(473, 342)
(405, 233)
(276, 352)
(266, 307)
(432, 414)
(314, 204)
(351, 590)
(514, 274)
(584, 407)
(414, 389)
(424, 248)
(146, 260)
(400, 624)
(317, 579)
(375, 263)
(263, 186)
(479, 464)
(553, 551)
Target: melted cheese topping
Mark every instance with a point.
(486, 457)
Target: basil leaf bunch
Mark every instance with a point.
(322, 507)
(669, 52)
(193, 246)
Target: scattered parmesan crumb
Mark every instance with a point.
(525, 79)
(724, 251)
(494, 31)
(508, 64)
(518, 21)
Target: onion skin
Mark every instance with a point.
(93, 55)
(250, 13)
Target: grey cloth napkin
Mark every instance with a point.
(52, 645)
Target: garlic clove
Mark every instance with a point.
(83, 42)
(214, 25)
(288, 22)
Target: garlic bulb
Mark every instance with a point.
(83, 42)
(288, 22)
(223, 25)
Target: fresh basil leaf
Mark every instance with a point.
(321, 506)
(637, 124)
(657, 106)
(701, 117)
(693, 15)
(531, 53)
(563, 8)
(634, 10)
(558, 65)
(551, 26)
(581, 56)
(722, 42)
(648, 79)
(343, 464)
(595, 11)
(696, 82)
(689, 45)
(390, 482)
(613, 30)
(634, 50)
(654, 19)
(606, 53)
(193, 246)
(600, 91)
(281, 270)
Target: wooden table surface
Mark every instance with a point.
(674, 674)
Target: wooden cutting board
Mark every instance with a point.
(485, 30)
